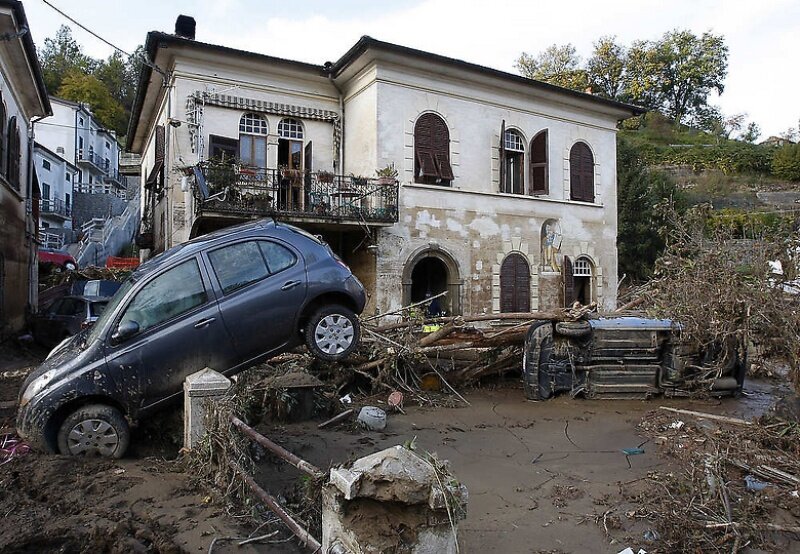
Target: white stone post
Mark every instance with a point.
(199, 391)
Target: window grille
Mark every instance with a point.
(582, 268)
(290, 129)
(253, 124)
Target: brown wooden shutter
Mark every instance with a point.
(3, 141)
(581, 170)
(160, 143)
(12, 167)
(502, 156)
(445, 170)
(431, 150)
(569, 282)
(515, 284)
(539, 164)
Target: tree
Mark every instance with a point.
(751, 132)
(606, 68)
(677, 72)
(557, 65)
(120, 76)
(82, 87)
(786, 162)
(59, 56)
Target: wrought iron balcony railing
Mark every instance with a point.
(55, 207)
(233, 190)
(90, 156)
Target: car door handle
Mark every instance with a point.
(203, 322)
(290, 285)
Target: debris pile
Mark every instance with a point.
(735, 482)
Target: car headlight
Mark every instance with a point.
(36, 387)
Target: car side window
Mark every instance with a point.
(278, 257)
(169, 295)
(70, 306)
(238, 265)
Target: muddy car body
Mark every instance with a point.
(227, 300)
(625, 357)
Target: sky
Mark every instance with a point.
(763, 36)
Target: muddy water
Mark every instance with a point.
(538, 474)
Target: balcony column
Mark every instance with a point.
(272, 151)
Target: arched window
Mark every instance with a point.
(290, 145)
(581, 173)
(432, 151)
(515, 284)
(12, 166)
(514, 163)
(290, 129)
(253, 130)
(582, 272)
(539, 171)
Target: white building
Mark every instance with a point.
(56, 177)
(74, 134)
(506, 187)
(22, 98)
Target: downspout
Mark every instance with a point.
(33, 270)
(341, 111)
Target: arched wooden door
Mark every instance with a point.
(515, 284)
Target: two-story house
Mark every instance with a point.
(23, 98)
(56, 178)
(505, 195)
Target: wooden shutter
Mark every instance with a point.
(502, 156)
(539, 164)
(432, 150)
(515, 284)
(569, 282)
(13, 153)
(3, 141)
(581, 171)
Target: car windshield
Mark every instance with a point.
(107, 311)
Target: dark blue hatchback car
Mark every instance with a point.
(226, 300)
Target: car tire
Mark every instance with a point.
(69, 266)
(575, 329)
(94, 430)
(332, 333)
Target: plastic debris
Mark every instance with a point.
(676, 424)
(633, 451)
(754, 484)
(651, 535)
(346, 399)
(11, 446)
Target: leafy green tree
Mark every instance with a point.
(60, 55)
(606, 68)
(751, 132)
(677, 73)
(82, 87)
(120, 76)
(557, 65)
(786, 162)
(640, 190)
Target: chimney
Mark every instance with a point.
(185, 26)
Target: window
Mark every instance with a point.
(238, 265)
(45, 191)
(12, 165)
(278, 257)
(169, 295)
(80, 121)
(68, 177)
(70, 307)
(514, 163)
(432, 151)
(67, 199)
(539, 173)
(108, 145)
(581, 173)
(60, 150)
(222, 149)
(253, 140)
(290, 129)
(45, 165)
(582, 278)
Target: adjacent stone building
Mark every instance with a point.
(505, 187)
(23, 98)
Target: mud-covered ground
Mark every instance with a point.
(541, 476)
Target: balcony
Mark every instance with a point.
(87, 157)
(55, 207)
(293, 195)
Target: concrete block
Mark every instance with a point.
(199, 391)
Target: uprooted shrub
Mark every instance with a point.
(720, 281)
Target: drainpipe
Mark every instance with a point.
(33, 270)
(328, 66)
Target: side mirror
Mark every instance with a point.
(125, 330)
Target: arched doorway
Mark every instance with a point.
(429, 273)
(582, 272)
(515, 284)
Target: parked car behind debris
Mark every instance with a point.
(59, 259)
(625, 357)
(66, 317)
(227, 300)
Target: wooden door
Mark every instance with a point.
(568, 279)
(515, 284)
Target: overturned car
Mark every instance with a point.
(626, 357)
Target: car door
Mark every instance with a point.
(180, 332)
(262, 284)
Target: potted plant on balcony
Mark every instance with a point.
(325, 176)
(387, 175)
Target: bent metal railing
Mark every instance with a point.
(234, 190)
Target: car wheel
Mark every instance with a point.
(94, 430)
(69, 266)
(332, 333)
(573, 328)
